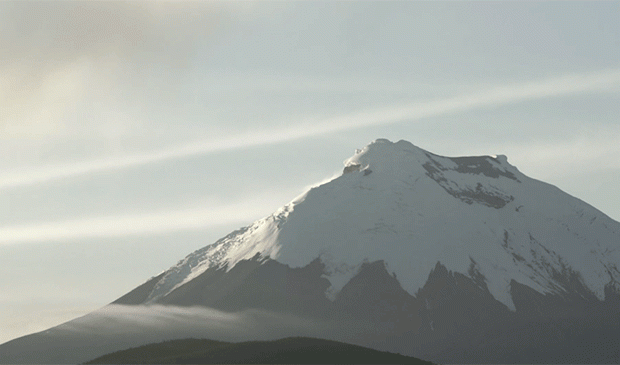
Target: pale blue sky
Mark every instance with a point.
(134, 133)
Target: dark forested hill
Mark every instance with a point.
(296, 350)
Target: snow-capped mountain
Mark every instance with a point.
(401, 204)
(453, 260)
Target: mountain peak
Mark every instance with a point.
(404, 158)
(411, 208)
(383, 155)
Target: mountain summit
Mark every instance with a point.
(400, 204)
(448, 259)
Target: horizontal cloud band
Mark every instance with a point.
(507, 94)
(133, 224)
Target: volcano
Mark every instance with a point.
(448, 259)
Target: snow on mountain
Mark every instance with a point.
(410, 208)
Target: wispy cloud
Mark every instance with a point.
(168, 322)
(116, 327)
(506, 94)
(248, 323)
(156, 222)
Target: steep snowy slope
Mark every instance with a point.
(410, 208)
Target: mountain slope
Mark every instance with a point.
(453, 260)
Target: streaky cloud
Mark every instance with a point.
(598, 81)
(157, 222)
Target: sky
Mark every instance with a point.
(133, 133)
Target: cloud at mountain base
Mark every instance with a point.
(152, 323)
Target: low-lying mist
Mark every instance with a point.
(117, 327)
(195, 321)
